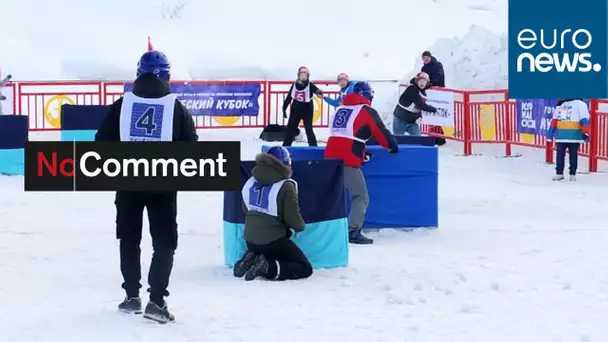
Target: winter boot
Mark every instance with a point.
(260, 267)
(357, 238)
(558, 177)
(242, 266)
(158, 314)
(130, 305)
(572, 178)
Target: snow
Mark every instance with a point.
(236, 39)
(517, 257)
(479, 60)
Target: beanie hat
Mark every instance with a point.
(427, 54)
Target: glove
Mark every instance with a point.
(393, 150)
(586, 137)
(2, 97)
(285, 114)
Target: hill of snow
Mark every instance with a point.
(244, 39)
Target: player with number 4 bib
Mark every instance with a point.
(352, 125)
(149, 113)
(300, 97)
(273, 210)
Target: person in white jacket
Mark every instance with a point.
(3, 82)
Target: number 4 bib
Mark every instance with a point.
(144, 119)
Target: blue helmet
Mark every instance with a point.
(364, 89)
(281, 153)
(154, 62)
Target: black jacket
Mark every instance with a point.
(297, 104)
(151, 87)
(435, 71)
(411, 102)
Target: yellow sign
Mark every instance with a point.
(527, 138)
(448, 131)
(52, 109)
(487, 122)
(318, 110)
(226, 120)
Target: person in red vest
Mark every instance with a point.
(354, 122)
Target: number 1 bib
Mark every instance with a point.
(146, 119)
(263, 198)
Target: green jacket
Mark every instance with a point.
(260, 228)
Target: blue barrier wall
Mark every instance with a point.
(80, 122)
(403, 187)
(13, 137)
(323, 207)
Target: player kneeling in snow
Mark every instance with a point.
(271, 198)
(569, 127)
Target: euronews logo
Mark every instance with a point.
(555, 42)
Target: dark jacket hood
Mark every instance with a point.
(269, 170)
(149, 86)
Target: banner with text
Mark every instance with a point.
(534, 115)
(444, 102)
(217, 99)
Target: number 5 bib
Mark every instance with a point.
(144, 119)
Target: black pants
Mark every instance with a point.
(298, 113)
(561, 157)
(292, 263)
(162, 215)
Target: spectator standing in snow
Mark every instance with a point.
(407, 113)
(569, 127)
(434, 69)
(2, 84)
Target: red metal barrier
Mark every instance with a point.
(480, 116)
(489, 116)
(42, 102)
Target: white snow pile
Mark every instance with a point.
(478, 60)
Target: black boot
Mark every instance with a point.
(355, 237)
(130, 305)
(242, 266)
(157, 313)
(260, 267)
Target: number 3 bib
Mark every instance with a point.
(144, 119)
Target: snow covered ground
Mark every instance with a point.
(516, 258)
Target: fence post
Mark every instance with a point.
(593, 138)
(468, 148)
(508, 135)
(266, 103)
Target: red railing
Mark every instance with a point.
(481, 116)
(42, 101)
(489, 117)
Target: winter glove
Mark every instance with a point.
(2, 97)
(586, 137)
(284, 114)
(393, 150)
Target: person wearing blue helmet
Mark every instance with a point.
(271, 202)
(354, 122)
(346, 87)
(149, 113)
